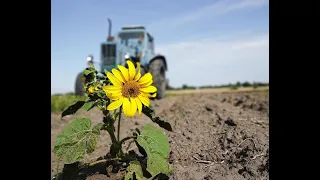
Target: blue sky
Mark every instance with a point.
(206, 42)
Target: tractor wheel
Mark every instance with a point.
(79, 85)
(157, 69)
(167, 83)
(142, 70)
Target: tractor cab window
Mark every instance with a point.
(130, 38)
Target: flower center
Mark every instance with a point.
(130, 89)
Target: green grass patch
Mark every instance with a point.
(60, 102)
(169, 95)
(234, 87)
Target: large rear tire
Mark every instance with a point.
(157, 69)
(142, 71)
(79, 85)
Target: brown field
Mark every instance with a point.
(218, 134)
(214, 90)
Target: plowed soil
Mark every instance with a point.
(216, 135)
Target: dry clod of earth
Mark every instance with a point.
(215, 136)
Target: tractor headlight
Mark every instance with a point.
(89, 58)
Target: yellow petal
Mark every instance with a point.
(144, 100)
(133, 108)
(124, 71)
(148, 94)
(153, 95)
(138, 75)
(111, 89)
(139, 105)
(126, 107)
(149, 89)
(118, 75)
(114, 96)
(115, 81)
(145, 78)
(132, 70)
(115, 104)
(146, 84)
(91, 89)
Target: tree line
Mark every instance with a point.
(229, 85)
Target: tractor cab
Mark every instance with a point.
(131, 42)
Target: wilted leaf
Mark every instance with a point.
(76, 140)
(156, 145)
(164, 124)
(148, 111)
(134, 169)
(73, 108)
(70, 171)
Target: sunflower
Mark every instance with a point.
(129, 89)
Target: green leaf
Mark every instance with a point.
(160, 176)
(96, 129)
(88, 105)
(101, 78)
(156, 145)
(88, 71)
(134, 170)
(73, 108)
(164, 124)
(76, 140)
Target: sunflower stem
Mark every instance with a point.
(112, 136)
(120, 111)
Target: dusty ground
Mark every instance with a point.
(216, 135)
(213, 90)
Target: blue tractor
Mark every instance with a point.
(131, 43)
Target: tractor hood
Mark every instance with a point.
(108, 56)
(113, 54)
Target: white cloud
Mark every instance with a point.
(209, 61)
(251, 44)
(218, 8)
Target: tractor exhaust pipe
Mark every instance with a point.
(110, 38)
(110, 27)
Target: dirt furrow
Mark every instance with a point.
(216, 136)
